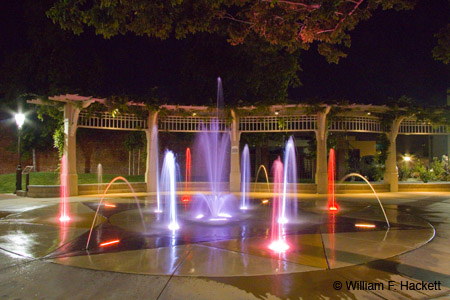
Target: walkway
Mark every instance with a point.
(46, 269)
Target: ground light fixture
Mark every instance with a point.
(20, 119)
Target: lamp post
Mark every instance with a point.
(20, 119)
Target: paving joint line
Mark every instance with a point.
(173, 273)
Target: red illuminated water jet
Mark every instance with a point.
(109, 243)
(187, 183)
(100, 204)
(64, 193)
(278, 242)
(332, 206)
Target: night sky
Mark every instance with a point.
(390, 56)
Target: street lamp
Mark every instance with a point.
(20, 119)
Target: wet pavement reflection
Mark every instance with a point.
(352, 245)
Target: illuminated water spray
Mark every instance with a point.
(154, 158)
(263, 168)
(374, 192)
(245, 177)
(187, 178)
(168, 189)
(278, 241)
(331, 182)
(99, 178)
(213, 146)
(289, 206)
(100, 205)
(63, 206)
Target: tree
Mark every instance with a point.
(291, 24)
(252, 74)
(442, 50)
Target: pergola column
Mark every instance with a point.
(151, 171)
(321, 152)
(70, 146)
(235, 170)
(391, 171)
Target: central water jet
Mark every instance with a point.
(168, 189)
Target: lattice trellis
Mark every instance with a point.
(190, 124)
(299, 123)
(277, 124)
(107, 121)
(414, 127)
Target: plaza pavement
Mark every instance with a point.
(29, 274)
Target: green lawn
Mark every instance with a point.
(8, 181)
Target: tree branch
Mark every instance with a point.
(230, 17)
(306, 6)
(357, 4)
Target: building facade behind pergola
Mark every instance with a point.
(357, 118)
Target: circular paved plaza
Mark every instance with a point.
(42, 257)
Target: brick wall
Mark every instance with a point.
(93, 147)
(107, 147)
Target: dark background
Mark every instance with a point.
(390, 56)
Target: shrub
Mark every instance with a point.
(425, 174)
(404, 171)
(437, 168)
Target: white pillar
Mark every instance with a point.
(321, 152)
(151, 171)
(70, 146)
(235, 170)
(391, 171)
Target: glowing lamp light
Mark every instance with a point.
(174, 226)
(333, 208)
(115, 112)
(109, 243)
(365, 225)
(244, 207)
(265, 201)
(279, 246)
(64, 218)
(20, 119)
(217, 219)
(282, 220)
(185, 199)
(199, 216)
(225, 215)
(109, 205)
(194, 114)
(407, 158)
(277, 113)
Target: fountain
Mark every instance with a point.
(278, 241)
(331, 179)
(99, 177)
(187, 177)
(63, 206)
(168, 190)
(289, 210)
(245, 177)
(373, 190)
(213, 147)
(262, 167)
(101, 201)
(235, 224)
(154, 157)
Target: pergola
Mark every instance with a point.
(295, 118)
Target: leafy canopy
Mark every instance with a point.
(294, 24)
